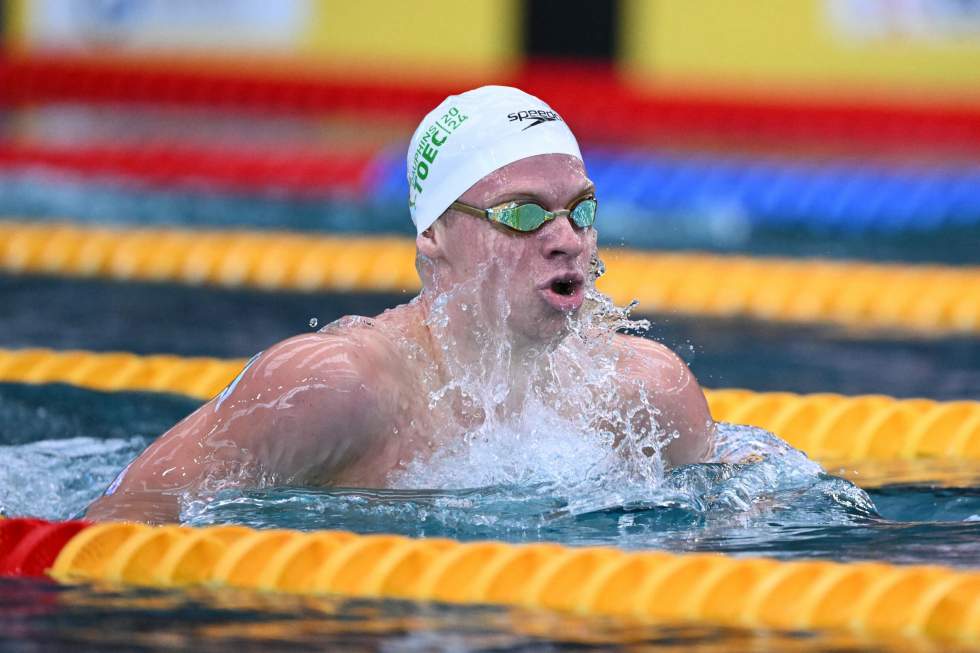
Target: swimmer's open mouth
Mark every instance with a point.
(563, 287)
(565, 291)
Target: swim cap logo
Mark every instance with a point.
(435, 137)
(536, 115)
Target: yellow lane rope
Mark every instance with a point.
(872, 599)
(912, 297)
(829, 427)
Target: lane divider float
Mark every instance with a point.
(832, 197)
(872, 599)
(613, 110)
(831, 428)
(925, 298)
(301, 172)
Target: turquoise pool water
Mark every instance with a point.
(778, 507)
(60, 446)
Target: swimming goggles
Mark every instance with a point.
(528, 217)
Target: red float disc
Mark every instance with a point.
(12, 531)
(38, 548)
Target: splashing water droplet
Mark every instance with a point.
(551, 414)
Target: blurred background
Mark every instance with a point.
(841, 130)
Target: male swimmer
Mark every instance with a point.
(506, 251)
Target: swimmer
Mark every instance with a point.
(506, 251)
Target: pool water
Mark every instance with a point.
(61, 446)
(750, 509)
(150, 318)
(47, 617)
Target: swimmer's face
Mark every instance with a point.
(535, 278)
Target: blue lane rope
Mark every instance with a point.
(696, 193)
(840, 197)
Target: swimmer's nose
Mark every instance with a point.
(563, 240)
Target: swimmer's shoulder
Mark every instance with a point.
(311, 406)
(653, 369)
(652, 361)
(353, 348)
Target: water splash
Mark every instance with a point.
(763, 501)
(57, 479)
(550, 413)
(550, 450)
(542, 435)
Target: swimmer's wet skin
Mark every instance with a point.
(508, 335)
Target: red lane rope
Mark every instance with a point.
(219, 168)
(599, 104)
(28, 547)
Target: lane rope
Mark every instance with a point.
(613, 111)
(924, 298)
(834, 197)
(873, 599)
(299, 172)
(829, 197)
(830, 428)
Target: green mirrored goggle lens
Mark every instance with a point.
(528, 217)
(583, 215)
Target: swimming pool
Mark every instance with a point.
(920, 511)
(63, 443)
(722, 355)
(904, 483)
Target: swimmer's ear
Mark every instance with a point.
(429, 243)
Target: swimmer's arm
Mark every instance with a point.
(301, 412)
(685, 410)
(675, 392)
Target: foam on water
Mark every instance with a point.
(57, 479)
(773, 482)
(774, 503)
(550, 414)
(548, 450)
(529, 443)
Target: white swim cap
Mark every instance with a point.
(470, 135)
